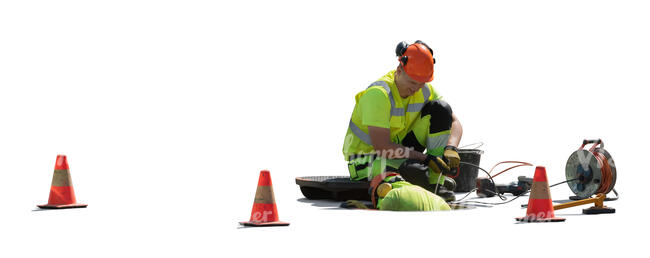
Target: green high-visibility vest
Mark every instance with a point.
(357, 140)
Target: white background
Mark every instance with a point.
(168, 110)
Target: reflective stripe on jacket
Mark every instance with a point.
(357, 140)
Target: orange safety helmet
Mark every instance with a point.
(417, 60)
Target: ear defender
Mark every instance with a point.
(399, 51)
(401, 48)
(383, 189)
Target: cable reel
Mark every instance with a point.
(590, 172)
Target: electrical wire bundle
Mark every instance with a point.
(490, 176)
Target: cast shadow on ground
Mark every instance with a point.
(336, 205)
(245, 227)
(562, 215)
(39, 209)
(51, 209)
(325, 204)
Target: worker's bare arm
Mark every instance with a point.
(456, 132)
(380, 138)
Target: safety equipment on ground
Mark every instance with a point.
(417, 60)
(451, 154)
(61, 192)
(540, 205)
(265, 212)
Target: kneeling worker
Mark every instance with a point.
(399, 116)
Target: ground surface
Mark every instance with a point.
(168, 110)
(195, 227)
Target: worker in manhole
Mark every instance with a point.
(400, 124)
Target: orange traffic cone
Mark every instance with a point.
(540, 205)
(61, 192)
(265, 212)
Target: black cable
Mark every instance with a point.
(471, 191)
(490, 203)
(489, 176)
(563, 182)
(468, 193)
(500, 195)
(616, 193)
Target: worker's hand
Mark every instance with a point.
(436, 164)
(353, 204)
(451, 154)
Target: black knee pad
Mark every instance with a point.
(440, 112)
(411, 141)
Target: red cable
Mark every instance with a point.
(521, 164)
(605, 170)
(603, 163)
